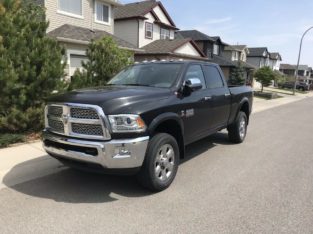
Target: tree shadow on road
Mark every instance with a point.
(73, 186)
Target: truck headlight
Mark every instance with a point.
(127, 123)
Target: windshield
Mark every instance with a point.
(154, 75)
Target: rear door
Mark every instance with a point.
(220, 97)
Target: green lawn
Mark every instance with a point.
(284, 91)
(8, 139)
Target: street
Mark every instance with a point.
(264, 185)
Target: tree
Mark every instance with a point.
(237, 75)
(279, 78)
(30, 66)
(264, 75)
(105, 59)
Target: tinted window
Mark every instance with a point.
(195, 71)
(156, 75)
(213, 77)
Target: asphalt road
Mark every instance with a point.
(264, 185)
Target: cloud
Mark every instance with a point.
(218, 20)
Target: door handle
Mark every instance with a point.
(207, 98)
(227, 94)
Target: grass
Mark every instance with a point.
(7, 139)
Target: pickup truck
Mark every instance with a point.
(141, 121)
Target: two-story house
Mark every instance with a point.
(219, 52)
(258, 56)
(236, 52)
(304, 72)
(74, 23)
(148, 26)
(274, 60)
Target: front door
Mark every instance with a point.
(194, 108)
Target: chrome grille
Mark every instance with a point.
(55, 111)
(87, 129)
(56, 125)
(81, 113)
(77, 120)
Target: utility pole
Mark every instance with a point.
(297, 69)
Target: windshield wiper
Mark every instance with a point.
(139, 85)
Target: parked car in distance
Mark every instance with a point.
(300, 86)
(143, 119)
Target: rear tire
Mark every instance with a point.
(161, 163)
(237, 131)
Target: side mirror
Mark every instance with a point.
(193, 84)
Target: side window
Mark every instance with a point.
(213, 77)
(195, 71)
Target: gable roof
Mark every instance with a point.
(139, 10)
(257, 51)
(224, 62)
(80, 35)
(194, 35)
(198, 36)
(285, 66)
(165, 46)
(275, 56)
(168, 47)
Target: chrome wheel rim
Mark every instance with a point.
(164, 162)
(242, 128)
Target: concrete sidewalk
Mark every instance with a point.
(30, 160)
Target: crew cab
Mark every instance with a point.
(141, 121)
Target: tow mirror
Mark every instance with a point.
(193, 84)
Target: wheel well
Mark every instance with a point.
(245, 109)
(172, 128)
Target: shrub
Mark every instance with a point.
(264, 75)
(237, 75)
(105, 59)
(30, 66)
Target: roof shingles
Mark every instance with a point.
(86, 35)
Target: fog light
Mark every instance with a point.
(121, 151)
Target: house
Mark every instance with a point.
(74, 23)
(148, 26)
(304, 72)
(258, 57)
(236, 52)
(274, 60)
(219, 52)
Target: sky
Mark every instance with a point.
(275, 24)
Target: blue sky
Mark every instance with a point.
(276, 24)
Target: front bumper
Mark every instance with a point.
(114, 154)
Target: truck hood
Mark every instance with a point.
(115, 99)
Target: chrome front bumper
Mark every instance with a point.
(114, 154)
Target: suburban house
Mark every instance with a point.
(228, 57)
(304, 72)
(258, 57)
(274, 60)
(74, 23)
(148, 26)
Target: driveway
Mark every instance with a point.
(264, 185)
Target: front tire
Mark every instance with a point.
(237, 131)
(161, 163)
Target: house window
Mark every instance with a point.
(216, 49)
(149, 30)
(235, 55)
(73, 7)
(102, 11)
(165, 33)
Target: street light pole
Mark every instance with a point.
(297, 69)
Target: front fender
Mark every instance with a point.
(162, 118)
